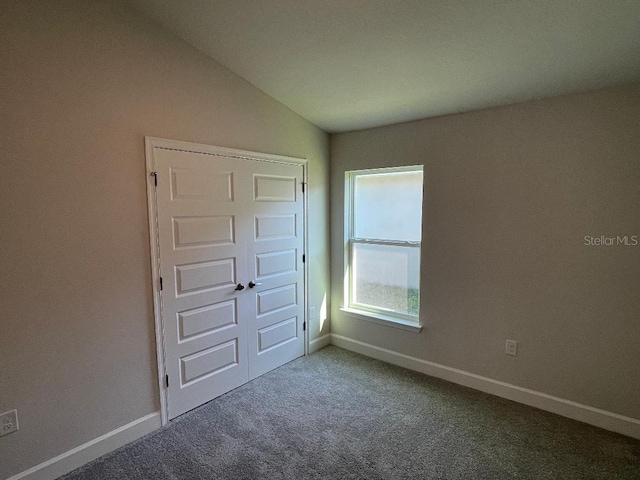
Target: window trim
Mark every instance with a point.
(365, 312)
(387, 320)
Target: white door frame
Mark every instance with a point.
(150, 144)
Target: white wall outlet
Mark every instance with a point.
(8, 422)
(511, 348)
(312, 313)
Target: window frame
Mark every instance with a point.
(368, 312)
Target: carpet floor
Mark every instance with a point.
(340, 415)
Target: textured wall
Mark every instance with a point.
(81, 84)
(510, 194)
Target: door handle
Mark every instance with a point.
(252, 284)
(240, 286)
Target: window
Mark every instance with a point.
(383, 215)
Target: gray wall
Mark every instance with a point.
(510, 194)
(82, 84)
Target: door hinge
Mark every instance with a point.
(155, 178)
(303, 258)
(166, 380)
(160, 283)
(303, 187)
(304, 326)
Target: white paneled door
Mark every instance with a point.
(229, 233)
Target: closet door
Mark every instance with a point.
(274, 252)
(230, 245)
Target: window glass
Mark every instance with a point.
(386, 277)
(388, 206)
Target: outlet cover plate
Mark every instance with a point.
(511, 348)
(8, 422)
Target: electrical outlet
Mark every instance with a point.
(8, 422)
(511, 348)
(312, 313)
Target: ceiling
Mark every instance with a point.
(353, 64)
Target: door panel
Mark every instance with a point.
(223, 221)
(209, 361)
(201, 263)
(203, 231)
(191, 183)
(270, 227)
(277, 334)
(271, 188)
(274, 254)
(276, 263)
(276, 299)
(207, 319)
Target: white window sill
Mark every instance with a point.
(380, 319)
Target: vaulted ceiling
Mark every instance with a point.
(353, 64)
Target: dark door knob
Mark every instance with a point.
(240, 287)
(252, 284)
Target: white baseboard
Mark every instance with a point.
(76, 457)
(567, 408)
(320, 342)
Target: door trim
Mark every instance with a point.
(152, 143)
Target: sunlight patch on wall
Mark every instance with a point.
(323, 311)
